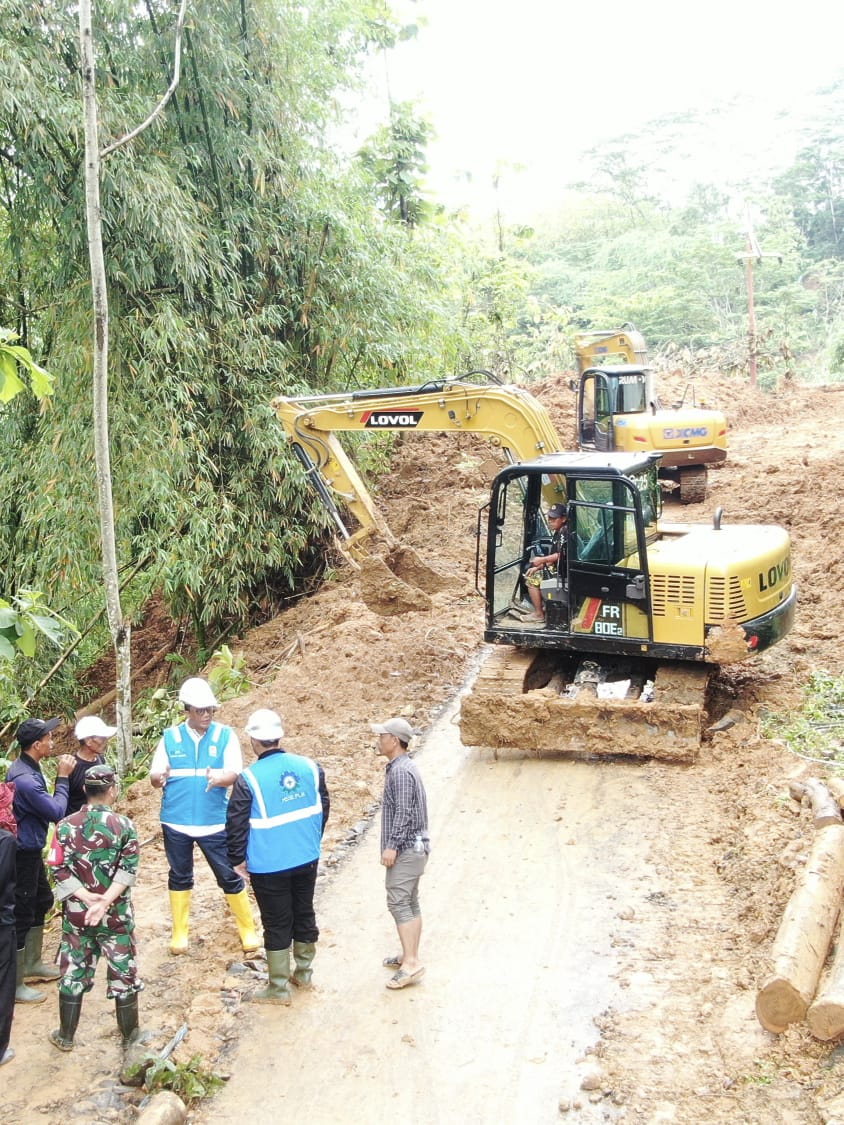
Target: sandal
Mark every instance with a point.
(401, 979)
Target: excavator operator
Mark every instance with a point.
(557, 517)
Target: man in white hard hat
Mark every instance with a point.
(93, 735)
(277, 815)
(195, 763)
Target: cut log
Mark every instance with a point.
(805, 934)
(836, 788)
(826, 1015)
(825, 808)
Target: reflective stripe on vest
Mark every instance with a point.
(185, 799)
(285, 823)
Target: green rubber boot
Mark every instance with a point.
(69, 1009)
(23, 993)
(33, 967)
(278, 987)
(303, 954)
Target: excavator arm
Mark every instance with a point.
(508, 416)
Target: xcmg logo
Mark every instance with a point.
(392, 419)
(685, 432)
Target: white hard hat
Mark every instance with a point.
(265, 726)
(196, 692)
(92, 726)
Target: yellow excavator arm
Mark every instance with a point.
(509, 416)
(617, 345)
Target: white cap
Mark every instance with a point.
(196, 692)
(92, 726)
(265, 726)
(401, 728)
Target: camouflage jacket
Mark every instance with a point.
(92, 849)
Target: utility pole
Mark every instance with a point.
(753, 252)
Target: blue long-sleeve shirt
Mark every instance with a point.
(35, 807)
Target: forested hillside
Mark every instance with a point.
(249, 255)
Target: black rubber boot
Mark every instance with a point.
(69, 1009)
(126, 1008)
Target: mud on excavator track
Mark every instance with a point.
(542, 702)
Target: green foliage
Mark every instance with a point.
(244, 260)
(25, 620)
(14, 356)
(396, 160)
(190, 1080)
(227, 674)
(817, 729)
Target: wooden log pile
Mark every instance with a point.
(790, 992)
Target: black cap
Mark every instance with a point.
(33, 730)
(100, 777)
(557, 511)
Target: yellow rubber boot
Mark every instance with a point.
(180, 909)
(242, 910)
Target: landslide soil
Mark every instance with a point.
(697, 862)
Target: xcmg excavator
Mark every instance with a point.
(618, 410)
(636, 614)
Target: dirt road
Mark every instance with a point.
(520, 924)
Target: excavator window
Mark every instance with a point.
(604, 523)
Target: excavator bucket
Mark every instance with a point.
(524, 700)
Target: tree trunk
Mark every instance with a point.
(805, 933)
(111, 582)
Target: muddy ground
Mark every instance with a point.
(723, 837)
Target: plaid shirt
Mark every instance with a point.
(404, 810)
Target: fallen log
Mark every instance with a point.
(805, 934)
(826, 1014)
(825, 807)
(836, 787)
(96, 705)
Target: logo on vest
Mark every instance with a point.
(289, 781)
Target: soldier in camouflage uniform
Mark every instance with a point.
(94, 858)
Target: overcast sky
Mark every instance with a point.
(536, 82)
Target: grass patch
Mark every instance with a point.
(817, 729)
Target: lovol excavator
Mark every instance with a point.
(637, 613)
(618, 409)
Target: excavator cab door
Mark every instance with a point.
(608, 581)
(596, 406)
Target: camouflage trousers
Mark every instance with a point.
(82, 946)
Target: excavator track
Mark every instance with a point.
(693, 484)
(520, 701)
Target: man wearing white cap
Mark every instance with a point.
(195, 763)
(92, 734)
(277, 814)
(404, 847)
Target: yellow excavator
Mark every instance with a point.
(618, 409)
(637, 613)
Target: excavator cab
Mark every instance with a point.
(599, 596)
(603, 395)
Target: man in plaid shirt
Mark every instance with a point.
(404, 847)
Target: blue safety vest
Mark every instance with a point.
(185, 800)
(285, 822)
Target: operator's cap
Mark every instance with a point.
(92, 726)
(401, 728)
(33, 730)
(197, 692)
(100, 778)
(557, 511)
(265, 725)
